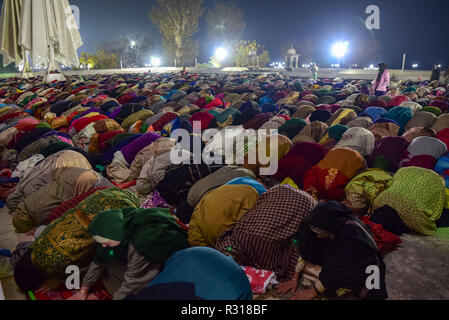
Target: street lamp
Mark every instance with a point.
(133, 44)
(221, 54)
(155, 61)
(414, 66)
(339, 50)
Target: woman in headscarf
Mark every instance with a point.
(154, 170)
(215, 180)
(292, 127)
(382, 81)
(361, 122)
(66, 241)
(388, 154)
(441, 123)
(301, 157)
(384, 129)
(42, 174)
(327, 180)
(401, 116)
(364, 189)
(191, 274)
(418, 196)
(333, 135)
(66, 183)
(335, 239)
(358, 139)
(304, 111)
(421, 119)
(427, 146)
(219, 211)
(416, 132)
(374, 113)
(313, 132)
(342, 116)
(282, 146)
(264, 237)
(132, 245)
(320, 115)
(442, 168)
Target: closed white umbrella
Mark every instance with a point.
(45, 28)
(47, 22)
(9, 30)
(49, 32)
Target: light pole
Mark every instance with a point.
(221, 54)
(339, 50)
(133, 45)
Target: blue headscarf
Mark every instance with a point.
(441, 167)
(214, 275)
(249, 182)
(374, 113)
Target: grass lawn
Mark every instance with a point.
(7, 75)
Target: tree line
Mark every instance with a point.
(178, 21)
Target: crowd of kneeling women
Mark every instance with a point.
(87, 170)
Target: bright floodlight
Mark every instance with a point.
(221, 54)
(133, 44)
(155, 61)
(340, 49)
(415, 65)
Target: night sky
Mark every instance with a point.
(418, 28)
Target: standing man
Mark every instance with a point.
(436, 73)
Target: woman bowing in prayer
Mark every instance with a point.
(334, 239)
(133, 244)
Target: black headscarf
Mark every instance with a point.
(345, 257)
(382, 68)
(336, 218)
(27, 276)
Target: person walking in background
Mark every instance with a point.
(436, 73)
(446, 76)
(382, 81)
(314, 70)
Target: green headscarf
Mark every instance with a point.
(336, 132)
(292, 127)
(227, 117)
(436, 111)
(55, 147)
(381, 163)
(154, 234)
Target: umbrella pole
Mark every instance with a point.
(53, 71)
(27, 72)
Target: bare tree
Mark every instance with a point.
(133, 51)
(225, 22)
(177, 21)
